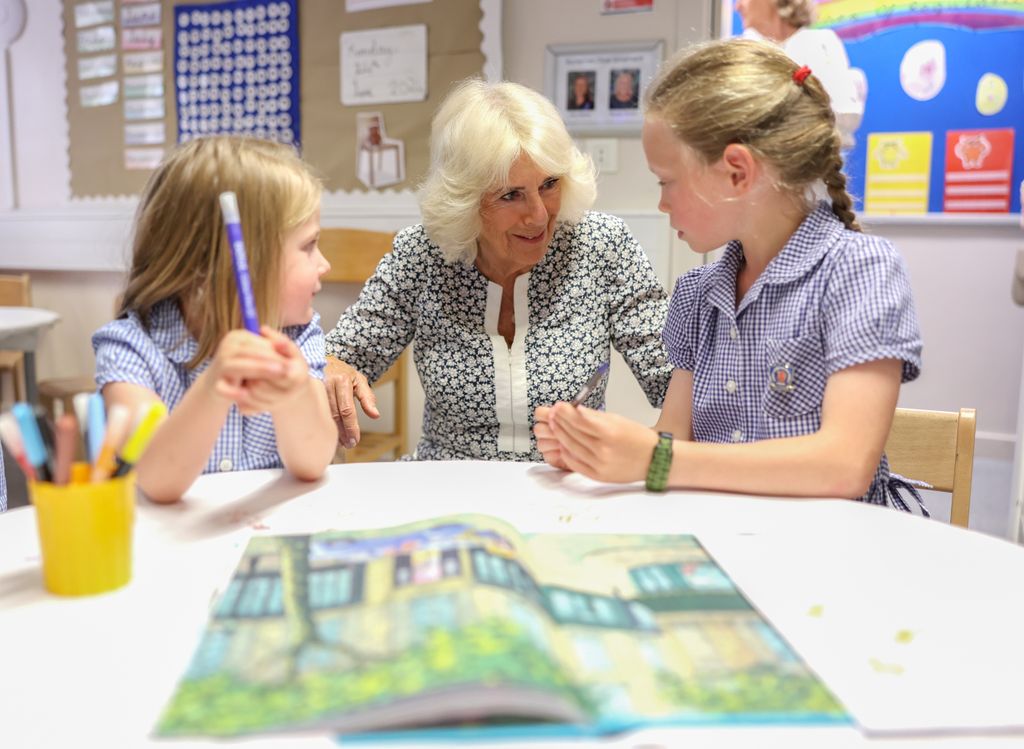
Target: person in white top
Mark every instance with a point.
(786, 22)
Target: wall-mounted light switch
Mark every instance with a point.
(605, 153)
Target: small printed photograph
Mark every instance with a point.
(597, 87)
(624, 86)
(581, 89)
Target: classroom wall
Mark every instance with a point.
(960, 271)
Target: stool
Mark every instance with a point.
(64, 389)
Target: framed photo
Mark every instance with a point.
(597, 88)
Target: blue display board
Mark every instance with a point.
(236, 69)
(979, 40)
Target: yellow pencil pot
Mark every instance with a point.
(85, 533)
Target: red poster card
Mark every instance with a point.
(979, 164)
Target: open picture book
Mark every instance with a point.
(462, 624)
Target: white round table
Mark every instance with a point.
(21, 329)
(913, 624)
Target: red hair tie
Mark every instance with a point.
(801, 75)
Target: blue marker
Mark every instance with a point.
(95, 426)
(592, 383)
(35, 449)
(233, 224)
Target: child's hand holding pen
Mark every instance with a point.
(240, 362)
(548, 446)
(270, 393)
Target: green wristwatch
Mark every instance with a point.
(661, 462)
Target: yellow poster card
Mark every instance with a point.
(898, 172)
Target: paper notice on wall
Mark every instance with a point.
(141, 86)
(99, 39)
(144, 133)
(898, 173)
(99, 95)
(353, 6)
(140, 39)
(144, 109)
(140, 15)
(626, 6)
(91, 14)
(380, 160)
(101, 66)
(385, 65)
(136, 63)
(923, 70)
(991, 94)
(142, 158)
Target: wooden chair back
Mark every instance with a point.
(936, 447)
(15, 291)
(353, 255)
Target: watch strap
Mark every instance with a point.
(661, 463)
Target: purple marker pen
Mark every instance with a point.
(233, 224)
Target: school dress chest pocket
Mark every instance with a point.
(795, 377)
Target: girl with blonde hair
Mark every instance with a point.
(790, 350)
(237, 400)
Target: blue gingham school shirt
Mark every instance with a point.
(833, 298)
(156, 359)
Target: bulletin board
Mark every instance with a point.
(332, 130)
(943, 126)
(113, 145)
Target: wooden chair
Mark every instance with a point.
(353, 255)
(64, 389)
(936, 447)
(15, 291)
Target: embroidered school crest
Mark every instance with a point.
(782, 378)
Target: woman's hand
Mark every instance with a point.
(602, 446)
(344, 385)
(547, 444)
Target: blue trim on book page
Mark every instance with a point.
(606, 727)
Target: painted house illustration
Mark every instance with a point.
(671, 609)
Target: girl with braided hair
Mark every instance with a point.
(789, 351)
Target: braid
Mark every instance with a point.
(835, 181)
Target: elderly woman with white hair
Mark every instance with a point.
(511, 290)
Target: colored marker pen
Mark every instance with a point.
(139, 439)
(64, 451)
(592, 383)
(81, 404)
(49, 443)
(95, 426)
(233, 224)
(11, 436)
(117, 430)
(35, 448)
